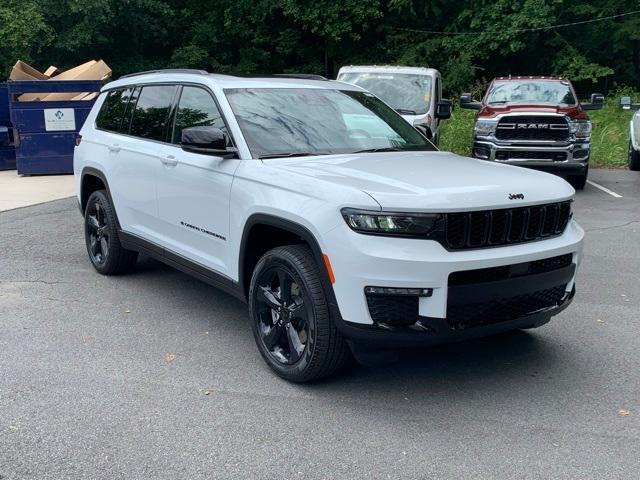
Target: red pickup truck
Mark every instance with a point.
(534, 122)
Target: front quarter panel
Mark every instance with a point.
(259, 188)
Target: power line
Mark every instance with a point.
(522, 30)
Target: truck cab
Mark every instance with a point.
(535, 122)
(414, 92)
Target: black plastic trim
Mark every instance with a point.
(98, 174)
(304, 234)
(373, 337)
(134, 242)
(510, 287)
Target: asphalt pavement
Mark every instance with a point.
(155, 375)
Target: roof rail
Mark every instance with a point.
(304, 76)
(168, 70)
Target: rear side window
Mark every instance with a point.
(151, 114)
(113, 110)
(196, 108)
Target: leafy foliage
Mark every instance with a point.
(482, 39)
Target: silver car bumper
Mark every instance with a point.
(547, 156)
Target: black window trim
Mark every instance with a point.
(174, 106)
(169, 111)
(126, 108)
(215, 101)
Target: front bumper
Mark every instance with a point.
(359, 261)
(561, 157)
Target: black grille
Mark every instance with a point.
(393, 310)
(506, 226)
(468, 315)
(531, 127)
(530, 155)
(491, 274)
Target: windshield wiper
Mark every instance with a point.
(406, 111)
(381, 149)
(291, 154)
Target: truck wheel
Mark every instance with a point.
(101, 237)
(290, 318)
(634, 158)
(579, 181)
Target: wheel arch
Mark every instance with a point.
(248, 256)
(90, 179)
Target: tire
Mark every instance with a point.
(105, 252)
(634, 158)
(290, 318)
(579, 181)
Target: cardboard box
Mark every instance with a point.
(91, 70)
(51, 71)
(24, 71)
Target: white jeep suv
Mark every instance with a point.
(341, 226)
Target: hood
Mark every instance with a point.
(430, 181)
(572, 111)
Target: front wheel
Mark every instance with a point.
(634, 158)
(290, 318)
(579, 181)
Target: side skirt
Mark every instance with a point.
(202, 273)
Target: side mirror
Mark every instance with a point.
(443, 109)
(626, 104)
(597, 101)
(466, 101)
(206, 140)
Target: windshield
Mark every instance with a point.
(308, 121)
(531, 91)
(403, 91)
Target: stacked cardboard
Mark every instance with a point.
(92, 70)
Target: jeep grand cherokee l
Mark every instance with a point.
(534, 122)
(341, 226)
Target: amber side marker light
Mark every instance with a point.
(327, 264)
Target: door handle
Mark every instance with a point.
(115, 148)
(169, 161)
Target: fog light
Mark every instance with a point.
(481, 153)
(414, 292)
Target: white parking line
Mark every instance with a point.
(604, 189)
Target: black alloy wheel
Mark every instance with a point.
(97, 231)
(283, 316)
(290, 316)
(106, 253)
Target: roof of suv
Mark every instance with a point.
(229, 81)
(388, 69)
(533, 77)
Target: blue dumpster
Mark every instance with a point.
(45, 131)
(7, 152)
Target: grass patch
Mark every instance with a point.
(609, 140)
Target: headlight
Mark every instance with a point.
(485, 128)
(390, 223)
(580, 129)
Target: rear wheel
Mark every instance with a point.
(634, 158)
(290, 318)
(101, 237)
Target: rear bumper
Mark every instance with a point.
(556, 157)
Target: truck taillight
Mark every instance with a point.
(78, 140)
